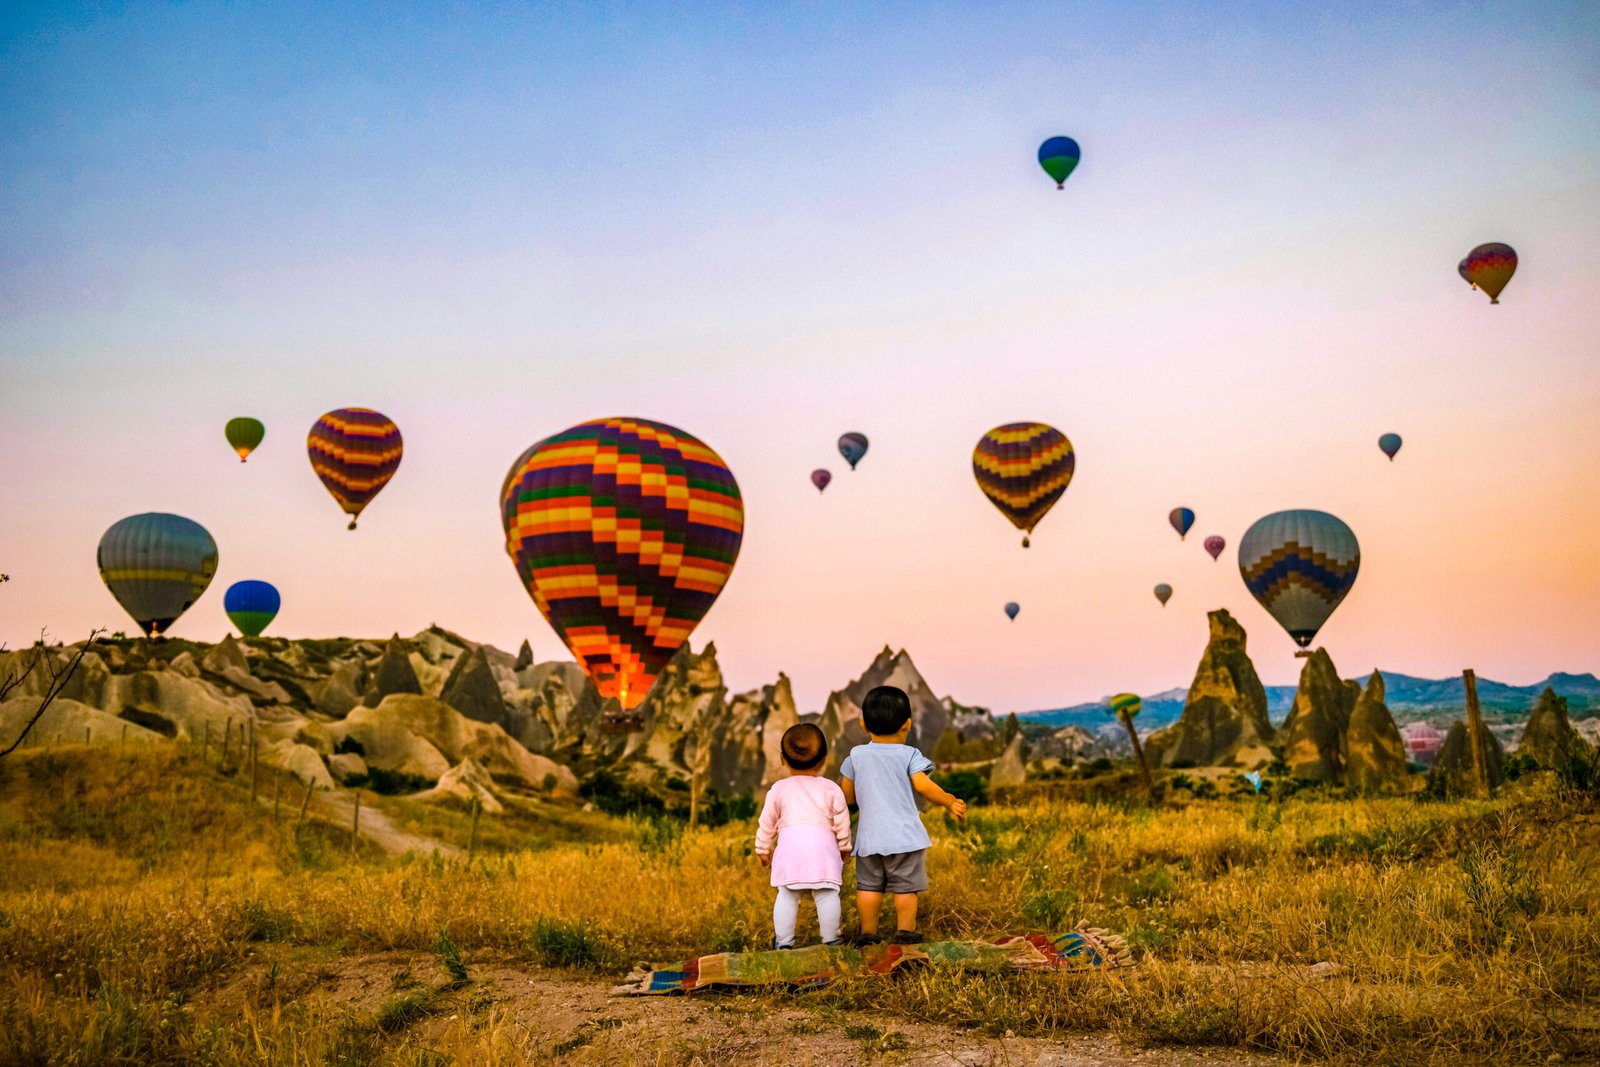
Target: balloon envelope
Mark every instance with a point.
(1299, 565)
(1059, 156)
(1126, 705)
(623, 531)
(355, 451)
(1461, 269)
(1215, 545)
(1012, 607)
(1490, 267)
(1390, 444)
(820, 478)
(1163, 593)
(1023, 468)
(852, 446)
(244, 435)
(156, 565)
(251, 606)
(1181, 519)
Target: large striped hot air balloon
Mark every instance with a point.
(156, 565)
(623, 531)
(1023, 468)
(1181, 519)
(1059, 157)
(852, 446)
(244, 435)
(251, 605)
(1490, 267)
(355, 451)
(1299, 565)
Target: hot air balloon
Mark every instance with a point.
(1490, 267)
(1181, 519)
(1215, 545)
(1299, 565)
(623, 531)
(1389, 443)
(820, 478)
(244, 435)
(1163, 593)
(355, 451)
(157, 565)
(251, 606)
(852, 446)
(1461, 269)
(1059, 157)
(1023, 468)
(1012, 607)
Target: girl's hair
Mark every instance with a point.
(804, 746)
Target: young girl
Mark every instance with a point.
(806, 813)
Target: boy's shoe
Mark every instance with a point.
(863, 940)
(907, 937)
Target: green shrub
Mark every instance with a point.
(554, 943)
(968, 785)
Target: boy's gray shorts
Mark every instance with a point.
(902, 872)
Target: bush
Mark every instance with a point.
(604, 791)
(389, 783)
(554, 943)
(968, 785)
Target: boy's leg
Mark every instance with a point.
(785, 910)
(905, 911)
(827, 901)
(867, 904)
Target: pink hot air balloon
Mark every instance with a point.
(1215, 545)
(820, 478)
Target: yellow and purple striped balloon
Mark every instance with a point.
(1490, 267)
(1023, 468)
(355, 451)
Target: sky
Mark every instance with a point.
(768, 224)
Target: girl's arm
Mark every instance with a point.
(929, 789)
(767, 827)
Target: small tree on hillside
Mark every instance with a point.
(60, 674)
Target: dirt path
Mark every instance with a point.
(338, 807)
(508, 1013)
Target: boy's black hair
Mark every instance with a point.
(885, 710)
(803, 746)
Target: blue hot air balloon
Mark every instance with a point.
(852, 446)
(1012, 607)
(1181, 519)
(1389, 444)
(1059, 157)
(251, 605)
(1299, 565)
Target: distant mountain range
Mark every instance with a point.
(1409, 697)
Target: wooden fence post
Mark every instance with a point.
(306, 803)
(1480, 769)
(472, 841)
(252, 764)
(205, 746)
(277, 794)
(355, 826)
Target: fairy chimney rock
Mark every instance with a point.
(1549, 737)
(1313, 736)
(1224, 718)
(1375, 753)
(394, 674)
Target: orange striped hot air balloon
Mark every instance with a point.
(1023, 468)
(1490, 267)
(355, 451)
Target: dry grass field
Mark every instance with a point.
(150, 914)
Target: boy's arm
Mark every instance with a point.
(930, 790)
(849, 788)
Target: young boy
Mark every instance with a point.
(883, 778)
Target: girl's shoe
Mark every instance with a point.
(781, 948)
(907, 937)
(837, 942)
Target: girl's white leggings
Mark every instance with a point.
(786, 909)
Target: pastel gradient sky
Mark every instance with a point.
(768, 224)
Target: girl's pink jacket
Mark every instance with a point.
(810, 821)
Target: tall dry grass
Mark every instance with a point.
(1471, 930)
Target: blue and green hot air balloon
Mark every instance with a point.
(1059, 157)
(251, 606)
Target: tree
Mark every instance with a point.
(60, 675)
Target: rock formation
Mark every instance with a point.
(1224, 720)
(341, 690)
(841, 718)
(524, 657)
(66, 721)
(1375, 753)
(1009, 771)
(473, 690)
(748, 757)
(1549, 738)
(1312, 739)
(394, 674)
(1453, 772)
(463, 782)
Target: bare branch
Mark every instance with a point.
(58, 681)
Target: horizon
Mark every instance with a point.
(771, 227)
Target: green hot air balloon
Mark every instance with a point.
(244, 435)
(157, 565)
(1059, 157)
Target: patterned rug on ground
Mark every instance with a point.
(819, 964)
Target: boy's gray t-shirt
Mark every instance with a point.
(882, 775)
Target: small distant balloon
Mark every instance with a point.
(1461, 269)
(1181, 519)
(1490, 267)
(244, 435)
(1012, 607)
(1163, 593)
(1389, 443)
(1059, 157)
(1126, 705)
(251, 606)
(820, 478)
(1254, 778)
(1215, 545)
(852, 446)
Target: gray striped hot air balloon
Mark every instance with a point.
(157, 565)
(1299, 565)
